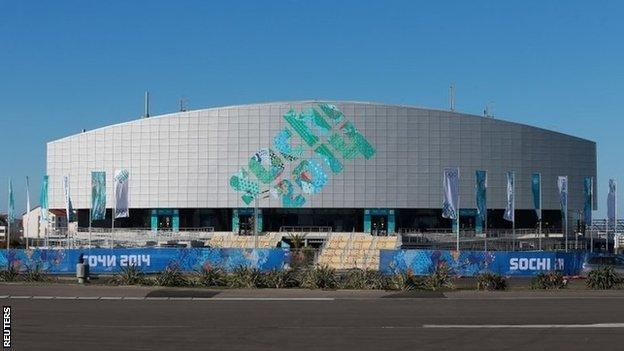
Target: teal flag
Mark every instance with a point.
(11, 208)
(43, 198)
(98, 196)
(536, 186)
(587, 208)
(481, 177)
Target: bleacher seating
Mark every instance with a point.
(355, 250)
(231, 240)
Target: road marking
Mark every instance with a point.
(522, 326)
(271, 299)
(136, 298)
(486, 298)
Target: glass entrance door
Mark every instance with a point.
(379, 225)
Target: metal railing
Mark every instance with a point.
(311, 229)
(526, 242)
(491, 232)
(125, 237)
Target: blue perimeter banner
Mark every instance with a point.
(472, 263)
(150, 260)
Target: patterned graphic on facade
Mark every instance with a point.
(328, 134)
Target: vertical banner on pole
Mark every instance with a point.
(69, 208)
(611, 209)
(510, 208)
(450, 185)
(481, 193)
(536, 187)
(121, 194)
(611, 201)
(43, 198)
(26, 224)
(450, 206)
(10, 213)
(11, 206)
(587, 208)
(43, 202)
(98, 196)
(562, 184)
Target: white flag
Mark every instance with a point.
(562, 184)
(510, 209)
(450, 185)
(69, 209)
(611, 200)
(27, 196)
(121, 193)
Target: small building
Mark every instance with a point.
(35, 227)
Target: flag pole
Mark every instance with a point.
(541, 214)
(8, 237)
(9, 215)
(90, 225)
(513, 211)
(26, 230)
(591, 207)
(458, 207)
(113, 210)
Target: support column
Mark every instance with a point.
(235, 221)
(391, 222)
(175, 220)
(154, 220)
(367, 221)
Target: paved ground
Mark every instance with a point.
(311, 320)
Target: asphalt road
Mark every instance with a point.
(494, 323)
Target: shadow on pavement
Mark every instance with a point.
(416, 295)
(182, 293)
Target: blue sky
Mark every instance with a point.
(69, 65)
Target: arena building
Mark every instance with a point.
(350, 166)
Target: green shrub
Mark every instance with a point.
(363, 279)
(491, 281)
(243, 277)
(404, 282)
(549, 281)
(440, 278)
(281, 278)
(302, 258)
(35, 274)
(603, 278)
(211, 277)
(171, 276)
(10, 274)
(130, 275)
(320, 277)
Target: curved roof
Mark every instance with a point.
(335, 102)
